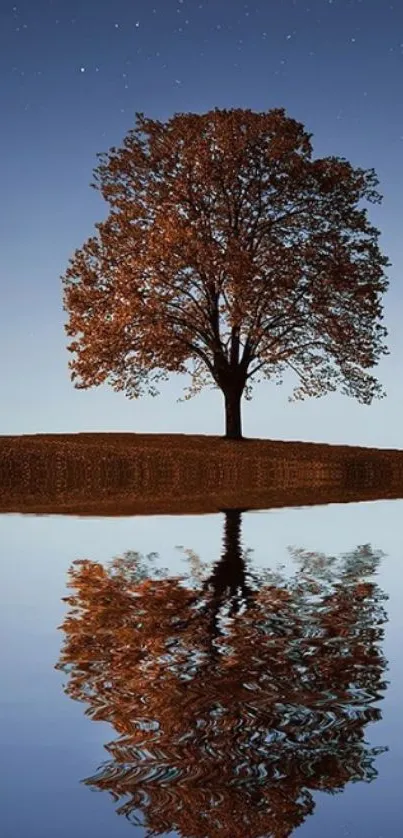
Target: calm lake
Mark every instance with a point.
(236, 675)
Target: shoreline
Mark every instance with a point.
(140, 474)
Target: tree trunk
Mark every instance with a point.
(233, 424)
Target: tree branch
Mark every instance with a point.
(277, 319)
(283, 355)
(234, 352)
(201, 353)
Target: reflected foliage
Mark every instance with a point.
(236, 694)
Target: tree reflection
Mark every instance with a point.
(236, 694)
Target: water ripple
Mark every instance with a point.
(227, 725)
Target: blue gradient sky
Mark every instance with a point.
(74, 72)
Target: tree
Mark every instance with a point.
(229, 253)
(235, 694)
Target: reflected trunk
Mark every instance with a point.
(228, 581)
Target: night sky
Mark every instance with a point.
(72, 77)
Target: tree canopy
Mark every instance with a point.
(231, 254)
(235, 693)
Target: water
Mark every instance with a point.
(251, 687)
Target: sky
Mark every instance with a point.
(73, 73)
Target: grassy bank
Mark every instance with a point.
(123, 473)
